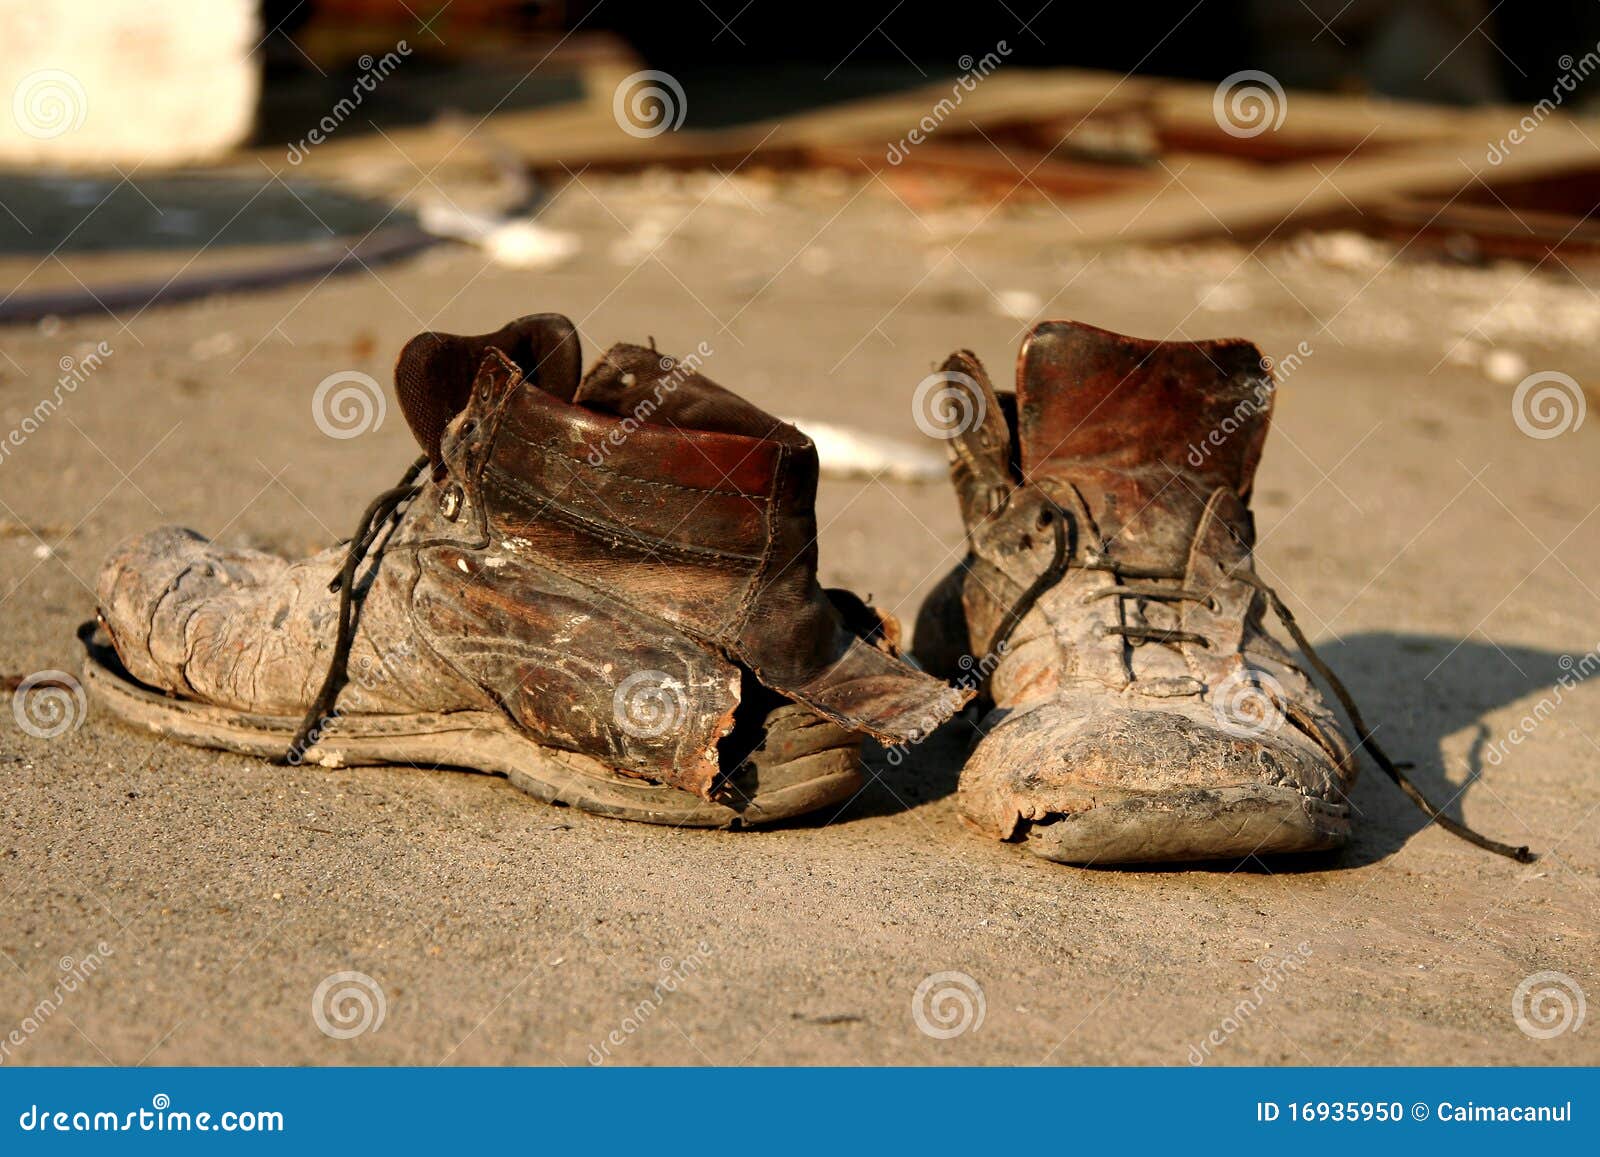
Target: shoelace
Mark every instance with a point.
(383, 511)
(1061, 561)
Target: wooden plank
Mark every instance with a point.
(1492, 231)
(1188, 209)
(981, 162)
(586, 132)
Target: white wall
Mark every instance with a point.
(91, 83)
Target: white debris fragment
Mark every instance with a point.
(1225, 297)
(1504, 366)
(844, 452)
(1346, 250)
(1019, 304)
(513, 242)
(216, 345)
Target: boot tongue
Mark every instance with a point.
(650, 387)
(434, 373)
(1145, 430)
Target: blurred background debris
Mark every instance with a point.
(286, 139)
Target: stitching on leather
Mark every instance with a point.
(747, 603)
(561, 452)
(548, 506)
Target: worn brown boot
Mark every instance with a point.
(603, 588)
(1141, 712)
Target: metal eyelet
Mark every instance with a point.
(450, 502)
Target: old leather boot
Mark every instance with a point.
(604, 589)
(1140, 710)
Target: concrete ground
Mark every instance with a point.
(1445, 562)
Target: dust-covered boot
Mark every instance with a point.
(602, 587)
(1140, 710)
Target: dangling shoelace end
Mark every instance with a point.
(1364, 740)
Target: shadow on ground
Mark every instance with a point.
(1416, 692)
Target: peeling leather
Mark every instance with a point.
(525, 577)
(1105, 428)
(712, 530)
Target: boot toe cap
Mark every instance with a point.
(1084, 780)
(150, 584)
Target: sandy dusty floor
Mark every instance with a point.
(1445, 562)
